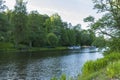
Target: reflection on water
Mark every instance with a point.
(44, 65)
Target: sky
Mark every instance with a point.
(71, 11)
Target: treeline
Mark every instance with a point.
(36, 30)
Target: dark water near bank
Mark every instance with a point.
(44, 65)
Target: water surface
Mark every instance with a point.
(44, 65)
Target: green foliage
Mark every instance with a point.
(113, 70)
(111, 6)
(52, 39)
(54, 78)
(114, 56)
(19, 20)
(36, 33)
(34, 29)
(89, 19)
(6, 45)
(99, 42)
(110, 72)
(87, 37)
(92, 66)
(102, 69)
(63, 77)
(3, 27)
(114, 44)
(71, 37)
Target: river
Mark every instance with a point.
(44, 65)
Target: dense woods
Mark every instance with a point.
(32, 29)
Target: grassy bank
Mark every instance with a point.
(9, 47)
(107, 68)
(47, 49)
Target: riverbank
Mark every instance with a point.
(33, 49)
(107, 68)
(9, 47)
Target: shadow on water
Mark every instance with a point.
(44, 65)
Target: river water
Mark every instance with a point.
(44, 65)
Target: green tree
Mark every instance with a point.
(114, 44)
(53, 24)
(111, 6)
(3, 22)
(108, 24)
(87, 37)
(71, 37)
(99, 42)
(64, 40)
(52, 39)
(36, 30)
(77, 29)
(89, 19)
(3, 27)
(19, 20)
(111, 20)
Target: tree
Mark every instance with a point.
(19, 20)
(87, 37)
(89, 19)
(52, 39)
(36, 30)
(9, 14)
(3, 27)
(109, 24)
(53, 24)
(3, 22)
(99, 42)
(77, 29)
(114, 44)
(110, 6)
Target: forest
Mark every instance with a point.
(22, 29)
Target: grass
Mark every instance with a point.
(107, 68)
(110, 72)
(47, 49)
(9, 47)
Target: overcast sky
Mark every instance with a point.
(72, 11)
